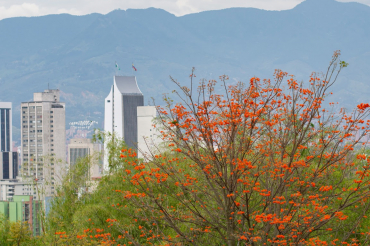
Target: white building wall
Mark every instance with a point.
(148, 135)
(108, 123)
(108, 112)
(118, 111)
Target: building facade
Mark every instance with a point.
(9, 165)
(23, 209)
(5, 126)
(148, 136)
(8, 158)
(81, 148)
(17, 187)
(43, 138)
(120, 116)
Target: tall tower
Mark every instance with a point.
(8, 159)
(43, 138)
(120, 114)
(6, 126)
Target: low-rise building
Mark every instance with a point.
(15, 187)
(24, 209)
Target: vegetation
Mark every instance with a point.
(264, 163)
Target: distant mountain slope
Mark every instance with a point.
(77, 53)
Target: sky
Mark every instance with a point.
(14, 8)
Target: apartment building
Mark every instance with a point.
(24, 209)
(17, 187)
(43, 139)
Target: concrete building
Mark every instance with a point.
(43, 138)
(24, 209)
(82, 147)
(8, 158)
(120, 116)
(148, 136)
(17, 187)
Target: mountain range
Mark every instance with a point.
(77, 54)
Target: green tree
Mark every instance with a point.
(20, 233)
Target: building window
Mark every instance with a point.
(51, 121)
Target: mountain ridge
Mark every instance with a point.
(77, 53)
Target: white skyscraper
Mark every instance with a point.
(120, 114)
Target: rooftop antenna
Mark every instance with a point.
(48, 86)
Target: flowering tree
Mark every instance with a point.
(261, 164)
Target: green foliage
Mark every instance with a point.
(82, 205)
(16, 233)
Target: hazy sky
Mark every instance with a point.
(12, 8)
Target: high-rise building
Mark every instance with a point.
(6, 126)
(8, 159)
(148, 135)
(81, 148)
(120, 116)
(43, 138)
(8, 165)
